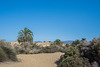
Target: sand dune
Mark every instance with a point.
(35, 60)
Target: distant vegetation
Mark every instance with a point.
(32, 48)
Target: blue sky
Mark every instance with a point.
(50, 19)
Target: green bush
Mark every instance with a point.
(52, 49)
(10, 53)
(6, 53)
(3, 56)
(75, 62)
(96, 49)
(57, 42)
(72, 58)
(36, 51)
(21, 51)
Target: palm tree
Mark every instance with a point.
(25, 35)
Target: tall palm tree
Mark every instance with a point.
(25, 35)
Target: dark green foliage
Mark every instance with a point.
(75, 42)
(57, 42)
(83, 39)
(75, 62)
(3, 56)
(72, 58)
(96, 49)
(67, 45)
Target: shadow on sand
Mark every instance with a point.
(58, 62)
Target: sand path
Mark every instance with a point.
(35, 60)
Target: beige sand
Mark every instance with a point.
(44, 44)
(35, 60)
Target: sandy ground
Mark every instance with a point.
(35, 60)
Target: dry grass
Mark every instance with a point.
(35, 60)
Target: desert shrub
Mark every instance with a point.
(35, 46)
(96, 49)
(47, 49)
(2, 42)
(21, 51)
(67, 45)
(52, 49)
(57, 42)
(10, 53)
(72, 58)
(6, 52)
(27, 52)
(76, 42)
(17, 49)
(3, 56)
(95, 40)
(75, 62)
(36, 51)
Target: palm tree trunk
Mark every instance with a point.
(25, 45)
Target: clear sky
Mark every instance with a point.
(50, 19)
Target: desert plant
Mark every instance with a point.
(3, 55)
(21, 51)
(67, 45)
(57, 42)
(76, 42)
(10, 53)
(52, 49)
(25, 35)
(72, 58)
(35, 46)
(36, 51)
(6, 52)
(96, 49)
